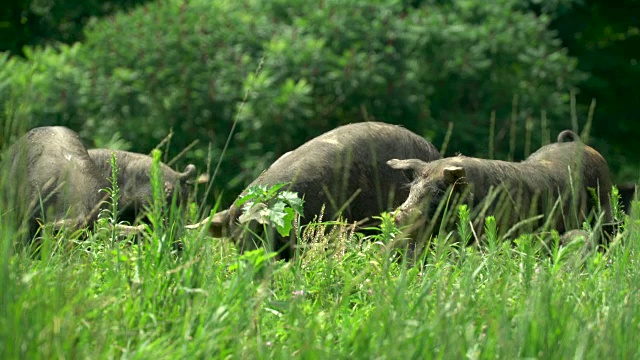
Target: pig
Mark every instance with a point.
(134, 181)
(627, 193)
(511, 191)
(52, 178)
(576, 234)
(343, 170)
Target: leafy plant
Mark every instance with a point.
(387, 230)
(464, 224)
(255, 261)
(491, 234)
(114, 195)
(271, 207)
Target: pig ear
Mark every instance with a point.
(455, 175)
(409, 167)
(219, 224)
(407, 164)
(188, 173)
(202, 179)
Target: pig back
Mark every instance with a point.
(345, 169)
(51, 165)
(588, 170)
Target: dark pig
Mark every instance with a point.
(511, 191)
(344, 169)
(52, 178)
(627, 192)
(135, 184)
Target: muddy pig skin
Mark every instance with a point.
(51, 170)
(522, 189)
(344, 168)
(134, 181)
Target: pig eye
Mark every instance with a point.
(437, 193)
(143, 178)
(442, 186)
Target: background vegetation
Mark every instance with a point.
(184, 67)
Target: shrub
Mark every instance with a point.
(305, 68)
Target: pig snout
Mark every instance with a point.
(403, 216)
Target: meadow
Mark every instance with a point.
(95, 295)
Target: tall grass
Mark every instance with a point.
(343, 297)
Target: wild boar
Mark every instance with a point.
(52, 178)
(135, 184)
(344, 170)
(553, 184)
(627, 193)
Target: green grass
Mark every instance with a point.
(343, 298)
(104, 297)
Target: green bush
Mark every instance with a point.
(305, 68)
(39, 22)
(606, 39)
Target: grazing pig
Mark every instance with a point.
(627, 193)
(512, 192)
(344, 170)
(573, 235)
(134, 181)
(51, 177)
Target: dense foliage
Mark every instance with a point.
(303, 68)
(39, 22)
(606, 40)
(603, 38)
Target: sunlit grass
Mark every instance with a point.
(344, 296)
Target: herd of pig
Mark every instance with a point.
(355, 171)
